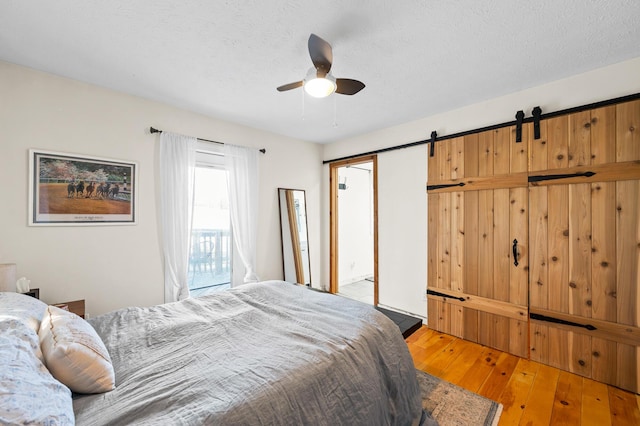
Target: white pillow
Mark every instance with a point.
(74, 353)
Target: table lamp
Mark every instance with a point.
(8, 277)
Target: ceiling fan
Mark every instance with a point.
(319, 81)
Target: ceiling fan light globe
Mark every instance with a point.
(320, 87)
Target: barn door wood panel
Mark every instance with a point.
(476, 291)
(571, 200)
(585, 244)
(470, 227)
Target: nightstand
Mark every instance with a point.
(75, 306)
(34, 292)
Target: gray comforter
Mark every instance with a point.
(269, 353)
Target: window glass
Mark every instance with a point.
(211, 249)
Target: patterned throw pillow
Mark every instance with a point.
(28, 392)
(22, 307)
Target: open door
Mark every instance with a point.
(354, 226)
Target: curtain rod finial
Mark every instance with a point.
(153, 130)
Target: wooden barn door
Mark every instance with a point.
(477, 217)
(585, 244)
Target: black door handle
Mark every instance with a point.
(515, 252)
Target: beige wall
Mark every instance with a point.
(402, 174)
(117, 266)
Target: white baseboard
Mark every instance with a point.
(400, 311)
(354, 280)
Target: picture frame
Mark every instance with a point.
(80, 190)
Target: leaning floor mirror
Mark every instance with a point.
(295, 238)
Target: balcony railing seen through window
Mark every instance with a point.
(210, 258)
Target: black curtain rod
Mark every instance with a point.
(494, 127)
(154, 130)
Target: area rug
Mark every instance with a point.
(452, 405)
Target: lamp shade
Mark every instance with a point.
(8, 277)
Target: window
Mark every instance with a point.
(211, 247)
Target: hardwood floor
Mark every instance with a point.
(531, 393)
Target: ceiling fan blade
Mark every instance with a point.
(321, 54)
(290, 86)
(347, 86)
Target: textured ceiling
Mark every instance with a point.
(226, 58)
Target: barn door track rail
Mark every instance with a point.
(536, 117)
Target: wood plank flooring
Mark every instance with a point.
(531, 393)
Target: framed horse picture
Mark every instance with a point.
(73, 189)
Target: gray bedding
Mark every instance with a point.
(270, 353)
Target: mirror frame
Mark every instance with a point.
(285, 195)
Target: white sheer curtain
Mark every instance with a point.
(242, 166)
(177, 169)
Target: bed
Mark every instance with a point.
(265, 354)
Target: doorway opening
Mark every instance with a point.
(354, 229)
